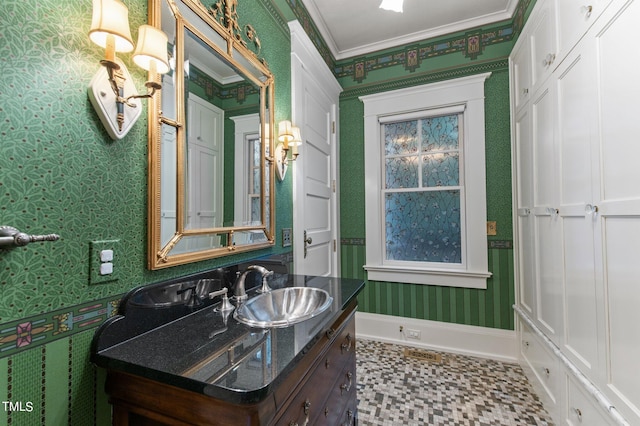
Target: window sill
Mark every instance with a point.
(447, 278)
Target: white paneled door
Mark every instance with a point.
(315, 96)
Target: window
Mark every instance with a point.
(425, 184)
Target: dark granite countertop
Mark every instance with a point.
(207, 353)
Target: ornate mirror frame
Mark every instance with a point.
(235, 49)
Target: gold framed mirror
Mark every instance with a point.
(211, 174)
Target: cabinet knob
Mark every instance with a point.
(346, 346)
(590, 209)
(547, 372)
(548, 60)
(586, 10)
(525, 92)
(578, 414)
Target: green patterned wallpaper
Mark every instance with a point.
(61, 173)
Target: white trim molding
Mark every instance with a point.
(461, 94)
(491, 343)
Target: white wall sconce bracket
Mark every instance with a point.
(282, 164)
(103, 99)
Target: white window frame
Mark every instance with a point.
(467, 93)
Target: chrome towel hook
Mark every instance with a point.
(10, 237)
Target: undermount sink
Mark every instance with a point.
(175, 294)
(283, 307)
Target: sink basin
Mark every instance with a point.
(174, 294)
(283, 307)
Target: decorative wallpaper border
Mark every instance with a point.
(471, 43)
(312, 31)
(28, 333)
(455, 72)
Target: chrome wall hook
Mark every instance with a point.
(10, 237)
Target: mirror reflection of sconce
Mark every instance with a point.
(290, 139)
(110, 30)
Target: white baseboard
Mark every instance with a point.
(469, 340)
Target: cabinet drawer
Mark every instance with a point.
(330, 384)
(581, 409)
(340, 395)
(542, 363)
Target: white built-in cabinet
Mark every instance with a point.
(575, 101)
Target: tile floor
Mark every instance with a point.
(396, 390)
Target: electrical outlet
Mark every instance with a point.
(413, 334)
(286, 237)
(103, 261)
(492, 228)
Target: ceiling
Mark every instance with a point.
(357, 27)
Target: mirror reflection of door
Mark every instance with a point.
(168, 178)
(205, 163)
(247, 177)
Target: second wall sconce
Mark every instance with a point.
(290, 139)
(111, 91)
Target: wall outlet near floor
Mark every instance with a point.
(492, 228)
(413, 334)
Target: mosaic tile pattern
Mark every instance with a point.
(460, 390)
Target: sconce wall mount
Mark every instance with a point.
(110, 30)
(290, 139)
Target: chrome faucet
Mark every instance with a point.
(240, 293)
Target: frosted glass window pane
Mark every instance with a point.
(441, 169)
(423, 226)
(401, 138)
(402, 172)
(440, 133)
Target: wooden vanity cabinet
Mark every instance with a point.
(320, 389)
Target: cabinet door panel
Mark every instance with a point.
(524, 204)
(618, 102)
(619, 209)
(548, 239)
(574, 19)
(520, 71)
(543, 44)
(622, 245)
(578, 190)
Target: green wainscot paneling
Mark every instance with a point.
(486, 308)
(53, 385)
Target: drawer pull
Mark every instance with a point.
(346, 386)
(346, 346)
(578, 414)
(326, 363)
(307, 405)
(349, 419)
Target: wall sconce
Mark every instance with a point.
(290, 139)
(110, 30)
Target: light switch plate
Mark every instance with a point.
(286, 237)
(95, 261)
